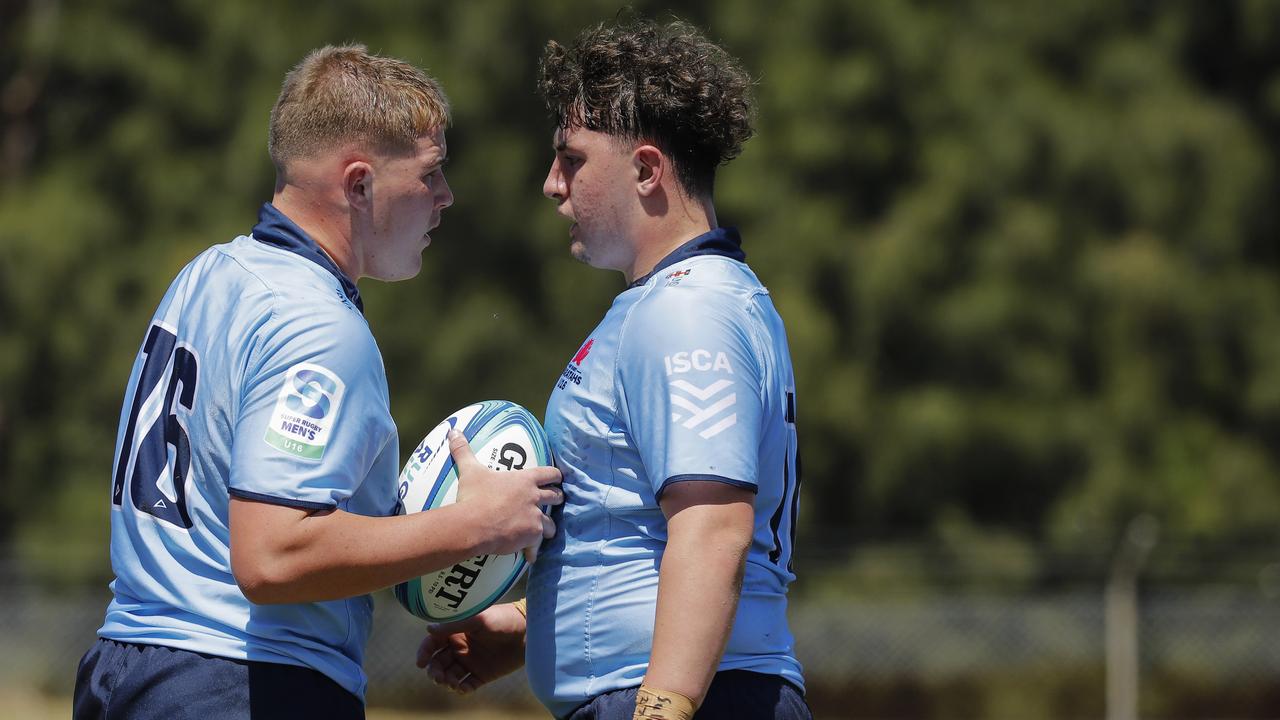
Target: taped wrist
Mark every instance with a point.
(663, 704)
(521, 607)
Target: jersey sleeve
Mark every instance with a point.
(313, 413)
(690, 388)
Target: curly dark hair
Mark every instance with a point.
(664, 84)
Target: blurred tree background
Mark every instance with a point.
(1027, 253)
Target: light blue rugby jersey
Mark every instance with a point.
(688, 377)
(259, 378)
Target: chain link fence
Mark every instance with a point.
(1204, 651)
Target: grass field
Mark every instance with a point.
(30, 705)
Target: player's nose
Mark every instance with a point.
(444, 196)
(554, 186)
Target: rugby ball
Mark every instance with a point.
(503, 436)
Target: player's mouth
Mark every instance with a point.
(426, 236)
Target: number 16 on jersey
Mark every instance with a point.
(155, 451)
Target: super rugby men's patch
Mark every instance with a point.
(306, 411)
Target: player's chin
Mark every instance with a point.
(413, 269)
(405, 270)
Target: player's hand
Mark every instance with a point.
(469, 653)
(510, 500)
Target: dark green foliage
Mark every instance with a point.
(1027, 252)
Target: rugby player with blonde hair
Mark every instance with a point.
(254, 489)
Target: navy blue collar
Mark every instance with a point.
(274, 228)
(723, 241)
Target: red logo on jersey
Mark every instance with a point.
(675, 277)
(583, 351)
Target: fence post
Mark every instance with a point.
(1121, 614)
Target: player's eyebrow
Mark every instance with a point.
(560, 145)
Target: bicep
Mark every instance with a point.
(260, 531)
(707, 507)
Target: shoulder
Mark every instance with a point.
(697, 316)
(305, 315)
(704, 294)
(298, 288)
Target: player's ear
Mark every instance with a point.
(357, 184)
(650, 166)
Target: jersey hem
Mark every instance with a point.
(755, 490)
(288, 502)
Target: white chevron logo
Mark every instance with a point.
(700, 414)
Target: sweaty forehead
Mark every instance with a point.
(437, 138)
(583, 140)
(432, 147)
(575, 136)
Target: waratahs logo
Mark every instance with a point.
(312, 393)
(573, 373)
(306, 411)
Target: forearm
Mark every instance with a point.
(698, 588)
(282, 557)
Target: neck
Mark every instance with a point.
(323, 223)
(660, 235)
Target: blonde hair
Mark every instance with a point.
(343, 94)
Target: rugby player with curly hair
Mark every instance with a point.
(663, 592)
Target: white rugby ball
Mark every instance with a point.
(504, 436)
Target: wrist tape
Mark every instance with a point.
(662, 704)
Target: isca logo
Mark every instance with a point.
(311, 394)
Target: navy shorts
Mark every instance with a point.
(124, 680)
(733, 695)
